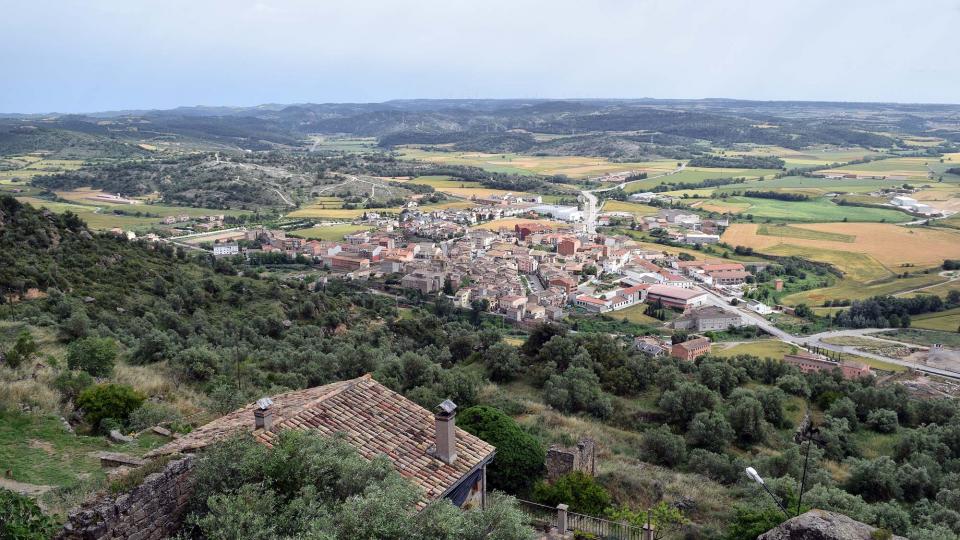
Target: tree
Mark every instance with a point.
(684, 402)
(104, 401)
(579, 490)
(883, 420)
(502, 361)
(539, 336)
(720, 376)
(746, 417)
(95, 356)
(23, 350)
(577, 389)
(874, 480)
(709, 430)
(660, 446)
(844, 408)
(520, 456)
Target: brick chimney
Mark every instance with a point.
(446, 448)
(263, 414)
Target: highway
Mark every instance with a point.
(817, 340)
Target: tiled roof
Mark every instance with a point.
(372, 418)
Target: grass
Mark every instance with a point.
(38, 450)
(638, 210)
(636, 314)
(329, 232)
(945, 321)
(768, 348)
(923, 337)
(573, 166)
(786, 231)
(852, 289)
(813, 211)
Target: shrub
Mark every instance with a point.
(717, 467)
(883, 420)
(96, 356)
(520, 456)
(104, 401)
(71, 383)
(151, 414)
(502, 362)
(22, 351)
(22, 519)
(710, 430)
(579, 490)
(844, 408)
(659, 445)
(578, 389)
(794, 384)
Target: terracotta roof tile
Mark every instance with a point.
(371, 417)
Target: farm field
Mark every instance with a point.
(577, 167)
(329, 232)
(322, 210)
(697, 174)
(636, 209)
(463, 188)
(911, 168)
(813, 211)
(767, 348)
(344, 144)
(511, 222)
(945, 321)
(788, 231)
(852, 289)
(920, 246)
(940, 290)
(33, 165)
(813, 186)
(808, 157)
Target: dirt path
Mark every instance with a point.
(23, 488)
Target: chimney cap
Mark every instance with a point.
(264, 403)
(447, 406)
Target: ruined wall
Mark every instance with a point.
(561, 460)
(153, 510)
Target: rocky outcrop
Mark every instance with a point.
(822, 525)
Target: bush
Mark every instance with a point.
(96, 356)
(71, 383)
(710, 430)
(883, 420)
(22, 519)
(104, 401)
(795, 385)
(579, 490)
(717, 467)
(660, 446)
(151, 414)
(844, 408)
(578, 389)
(22, 351)
(520, 456)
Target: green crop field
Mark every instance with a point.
(636, 209)
(698, 174)
(767, 348)
(813, 211)
(815, 186)
(329, 232)
(786, 231)
(945, 321)
(636, 314)
(853, 289)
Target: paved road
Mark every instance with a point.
(817, 340)
(590, 208)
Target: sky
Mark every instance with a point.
(96, 55)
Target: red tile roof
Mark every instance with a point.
(372, 418)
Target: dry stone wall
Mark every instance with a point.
(155, 509)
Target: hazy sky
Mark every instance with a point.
(75, 56)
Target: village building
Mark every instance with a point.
(709, 318)
(691, 349)
(676, 297)
(809, 362)
(427, 449)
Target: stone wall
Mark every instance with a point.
(153, 510)
(561, 460)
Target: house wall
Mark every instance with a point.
(155, 509)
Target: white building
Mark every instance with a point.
(225, 250)
(759, 307)
(697, 238)
(901, 200)
(563, 213)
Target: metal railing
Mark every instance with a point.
(548, 517)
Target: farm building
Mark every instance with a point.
(811, 363)
(691, 349)
(708, 318)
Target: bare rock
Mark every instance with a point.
(118, 437)
(162, 431)
(116, 459)
(821, 525)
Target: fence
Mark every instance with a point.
(559, 518)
